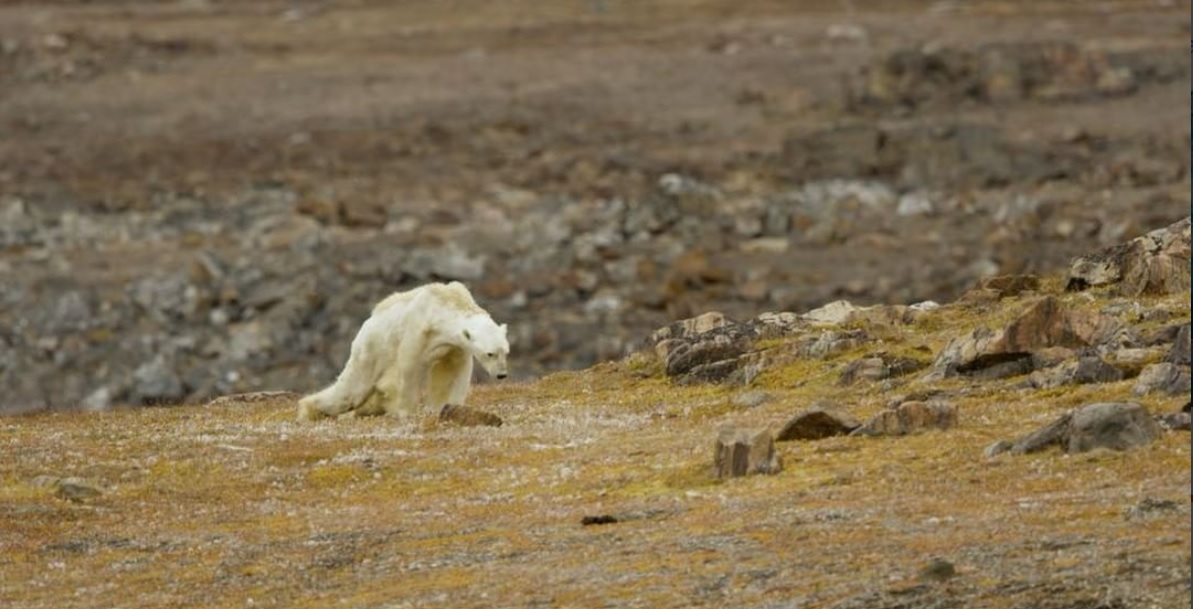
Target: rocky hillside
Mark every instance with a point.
(202, 198)
(1023, 446)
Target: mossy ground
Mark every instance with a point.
(239, 505)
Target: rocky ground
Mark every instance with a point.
(1026, 446)
(206, 197)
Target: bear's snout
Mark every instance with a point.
(501, 375)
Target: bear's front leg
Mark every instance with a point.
(450, 380)
(398, 391)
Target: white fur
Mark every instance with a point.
(425, 338)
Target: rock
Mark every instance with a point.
(1084, 370)
(77, 490)
(1117, 426)
(742, 452)
(1174, 421)
(1156, 263)
(878, 367)
(98, 400)
(1164, 377)
(468, 417)
(1010, 285)
(836, 312)
(715, 355)
(1151, 507)
(817, 422)
(938, 570)
(751, 399)
(688, 328)
(444, 263)
(254, 397)
(1179, 354)
(155, 382)
(1045, 323)
(908, 418)
(1111, 425)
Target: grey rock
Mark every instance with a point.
(1169, 379)
(751, 399)
(938, 570)
(742, 452)
(1084, 370)
(1174, 421)
(17, 225)
(1117, 426)
(1110, 425)
(1179, 354)
(71, 488)
(445, 263)
(1152, 507)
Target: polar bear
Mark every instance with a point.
(425, 338)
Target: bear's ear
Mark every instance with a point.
(467, 334)
(504, 328)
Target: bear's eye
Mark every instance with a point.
(490, 354)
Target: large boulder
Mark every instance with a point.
(1110, 425)
(1156, 263)
(1046, 323)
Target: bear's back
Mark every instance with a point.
(453, 296)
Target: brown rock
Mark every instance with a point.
(909, 418)
(816, 423)
(1046, 323)
(1006, 286)
(468, 417)
(742, 452)
(357, 213)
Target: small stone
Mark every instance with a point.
(997, 448)
(468, 417)
(1174, 421)
(742, 452)
(1150, 507)
(73, 489)
(751, 399)
(77, 490)
(818, 422)
(937, 571)
(836, 312)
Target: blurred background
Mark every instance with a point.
(200, 197)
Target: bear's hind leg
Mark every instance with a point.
(349, 391)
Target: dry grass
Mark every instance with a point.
(238, 505)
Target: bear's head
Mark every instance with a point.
(488, 343)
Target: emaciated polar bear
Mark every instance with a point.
(422, 338)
